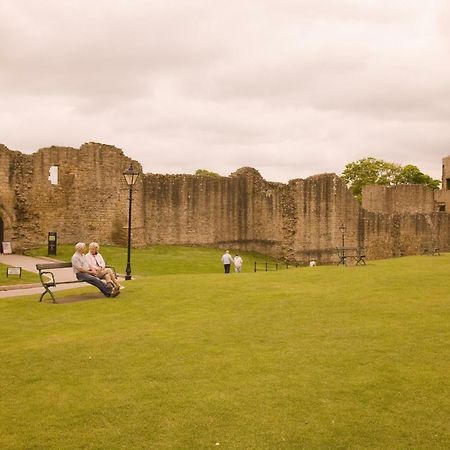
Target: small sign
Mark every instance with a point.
(14, 271)
(51, 243)
(6, 248)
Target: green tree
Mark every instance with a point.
(369, 171)
(206, 173)
(376, 171)
(412, 175)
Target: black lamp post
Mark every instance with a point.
(131, 177)
(342, 230)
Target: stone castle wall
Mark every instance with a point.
(230, 211)
(88, 202)
(295, 221)
(403, 198)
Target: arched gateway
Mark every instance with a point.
(2, 236)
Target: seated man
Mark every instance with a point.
(84, 273)
(98, 266)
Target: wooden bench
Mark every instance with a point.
(358, 254)
(48, 279)
(429, 248)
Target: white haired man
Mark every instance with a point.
(227, 260)
(84, 273)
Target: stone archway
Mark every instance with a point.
(2, 233)
(5, 226)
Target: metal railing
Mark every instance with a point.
(265, 266)
(271, 266)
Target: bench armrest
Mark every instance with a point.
(47, 282)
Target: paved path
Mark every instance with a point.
(29, 263)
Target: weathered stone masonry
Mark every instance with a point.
(295, 221)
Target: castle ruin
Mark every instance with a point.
(81, 194)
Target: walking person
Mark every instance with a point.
(227, 260)
(84, 273)
(237, 261)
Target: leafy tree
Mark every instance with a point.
(369, 171)
(206, 173)
(376, 171)
(412, 175)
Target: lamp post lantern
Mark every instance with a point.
(131, 176)
(342, 230)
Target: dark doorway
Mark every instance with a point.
(1, 234)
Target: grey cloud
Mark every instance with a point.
(96, 48)
(290, 87)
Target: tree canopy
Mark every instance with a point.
(206, 173)
(376, 171)
(412, 175)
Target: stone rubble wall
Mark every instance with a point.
(405, 234)
(88, 203)
(399, 199)
(241, 211)
(321, 207)
(296, 222)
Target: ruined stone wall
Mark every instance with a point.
(322, 203)
(11, 164)
(399, 199)
(442, 200)
(391, 235)
(241, 211)
(295, 221)
(446, 173)
(403, 219)
(87, 203)
(442, 196)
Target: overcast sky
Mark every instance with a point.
(292, 88)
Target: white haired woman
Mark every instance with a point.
(98, 266)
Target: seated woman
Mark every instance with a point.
(98, 266)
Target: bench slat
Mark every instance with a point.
(61, 265)
(51, 283)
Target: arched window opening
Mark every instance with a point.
(53, 174)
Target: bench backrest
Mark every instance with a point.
(46, 266)
(351, 251)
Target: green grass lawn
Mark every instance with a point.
(316, 358)
(25, 278)
(164, 259)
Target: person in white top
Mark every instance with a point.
(237, 261)
(227, 260)
(98, 266)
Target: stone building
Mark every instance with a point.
(81, 194)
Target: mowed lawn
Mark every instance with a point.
(24, 278)
(326, 357)
(166, 259)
